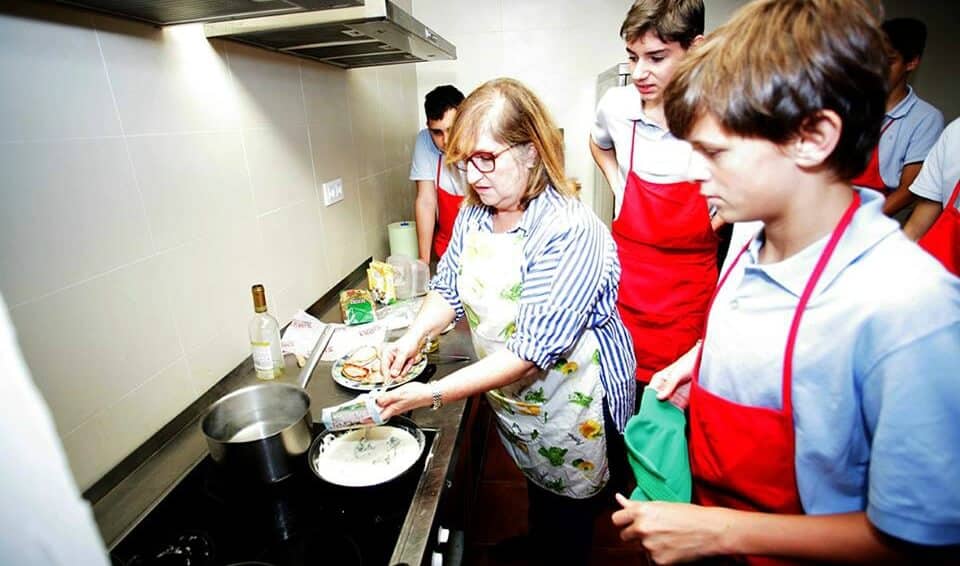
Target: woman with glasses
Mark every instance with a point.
(535, 273)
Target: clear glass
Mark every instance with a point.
(265, 344)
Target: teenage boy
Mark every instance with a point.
(665, 240)
(824, 415)
(910, 127)
(440, 188)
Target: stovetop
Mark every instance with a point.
(211, 519)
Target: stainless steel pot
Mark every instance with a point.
(261, 431)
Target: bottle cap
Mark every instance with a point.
(259, 299)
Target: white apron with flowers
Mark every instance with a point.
(552, 424)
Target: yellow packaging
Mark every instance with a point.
(356, 306)
(382, 281)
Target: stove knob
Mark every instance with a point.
(443, 535)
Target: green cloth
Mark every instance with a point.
(657, 450)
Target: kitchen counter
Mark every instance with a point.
(121, 506)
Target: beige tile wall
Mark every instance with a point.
(150, 176)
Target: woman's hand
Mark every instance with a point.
(408, 397)
(671, 532)
(398, 357)
(669, 380)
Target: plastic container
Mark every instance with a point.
(412, 276)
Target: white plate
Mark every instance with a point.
(336, 371)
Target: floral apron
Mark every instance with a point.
(552, 424)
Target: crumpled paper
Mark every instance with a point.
(301, 335)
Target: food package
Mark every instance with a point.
(382, 281)
(359, 412)
(356, 306)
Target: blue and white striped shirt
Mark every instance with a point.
(570, 279)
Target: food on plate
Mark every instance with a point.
(355, 372)
(367, 457)
(364, 355)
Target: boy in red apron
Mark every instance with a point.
(910, 125)
(666, 244)
(824, 413)
(935, 222)
(440, 189)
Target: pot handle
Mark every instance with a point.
(311, 364)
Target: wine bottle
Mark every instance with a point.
(265, 338)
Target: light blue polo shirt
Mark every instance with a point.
(916, 126)
(876, 386)
(941, 170)
(423, 166)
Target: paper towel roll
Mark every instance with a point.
(403, 239)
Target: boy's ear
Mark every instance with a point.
(817, 138)
(912, 64)
(696, 41)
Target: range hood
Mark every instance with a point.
(376, 33)
(345, 33)
(165, 12)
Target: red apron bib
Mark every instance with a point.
(742, 457)
(448, 205)
(668, 256)
(942, 240)
(871, 178)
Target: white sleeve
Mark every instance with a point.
(600, 133)
(930, 182)
(425, 155)
(44, 520)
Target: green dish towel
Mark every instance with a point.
(657, 450)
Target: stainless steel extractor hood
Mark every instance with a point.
(377, 33)
(165, 12)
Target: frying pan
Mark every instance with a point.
(368, 469)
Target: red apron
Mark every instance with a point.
(448, 205)
(668, 256)
(871, 178)
(942, 240)
(742, 457)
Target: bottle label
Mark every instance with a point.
(262, 358)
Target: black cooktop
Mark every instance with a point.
(212, 519)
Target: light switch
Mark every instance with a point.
(332, 191)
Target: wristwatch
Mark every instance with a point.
(436, 396)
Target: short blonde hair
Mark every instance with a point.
(777, 63)
(510, 113)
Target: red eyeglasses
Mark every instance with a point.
(484, 161)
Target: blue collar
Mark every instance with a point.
(868, 228)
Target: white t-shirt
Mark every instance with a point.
(424, 166)
(43, 519)
(657, 155)
(941, 169)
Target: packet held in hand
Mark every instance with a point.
(359, 412)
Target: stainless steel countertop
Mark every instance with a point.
(121, 508)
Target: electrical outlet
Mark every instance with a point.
(332, 191)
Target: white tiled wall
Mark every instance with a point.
(150, 177)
